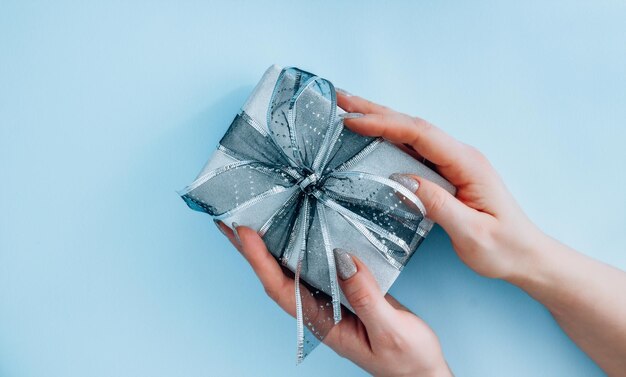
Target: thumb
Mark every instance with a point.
(363, 294)
(441, 206)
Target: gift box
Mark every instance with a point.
(288, 168)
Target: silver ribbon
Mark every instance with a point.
(305, 148)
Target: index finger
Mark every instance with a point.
(356, 104)
(427, 140)
(378, 120)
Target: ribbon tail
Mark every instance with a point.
(301, 250)
(367, 229)
(332, 269)
(299, 320)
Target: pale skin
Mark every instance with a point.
(489, 232)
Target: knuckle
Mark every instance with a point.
(271, 292)
(477, 155)
(422, 129)
(361, 299)
(438, 202)
(423, 126)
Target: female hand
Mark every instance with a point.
(384, 337)
(492, 235)
(488, 229)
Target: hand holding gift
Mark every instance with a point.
(384, 337)
(490, 233)
(289, 169)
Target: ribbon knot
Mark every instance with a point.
(303, 148)
(309, 183)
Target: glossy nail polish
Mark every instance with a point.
(351, 115)
(217, 224)
(406, 181)
(345, 265)
(234, 226)
(344, 92)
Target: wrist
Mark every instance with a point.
(434, 366)
(532, 265)
(440, 369)
(558, 277)
(546, 270)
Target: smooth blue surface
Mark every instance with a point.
(107, 108)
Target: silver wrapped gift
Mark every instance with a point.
(288, 168)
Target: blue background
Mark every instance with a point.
(106, 109)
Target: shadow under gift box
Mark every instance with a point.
(280, 131)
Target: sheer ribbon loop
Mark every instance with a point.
(305, 148)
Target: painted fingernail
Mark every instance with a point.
(406, 181)
(235, 226)
(344, 92)
(351, 115)
(345, 265)
(218, 225)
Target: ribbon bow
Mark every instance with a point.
(305, 150)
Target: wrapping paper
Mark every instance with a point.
(288, 169)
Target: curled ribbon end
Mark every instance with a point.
(338, 317)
